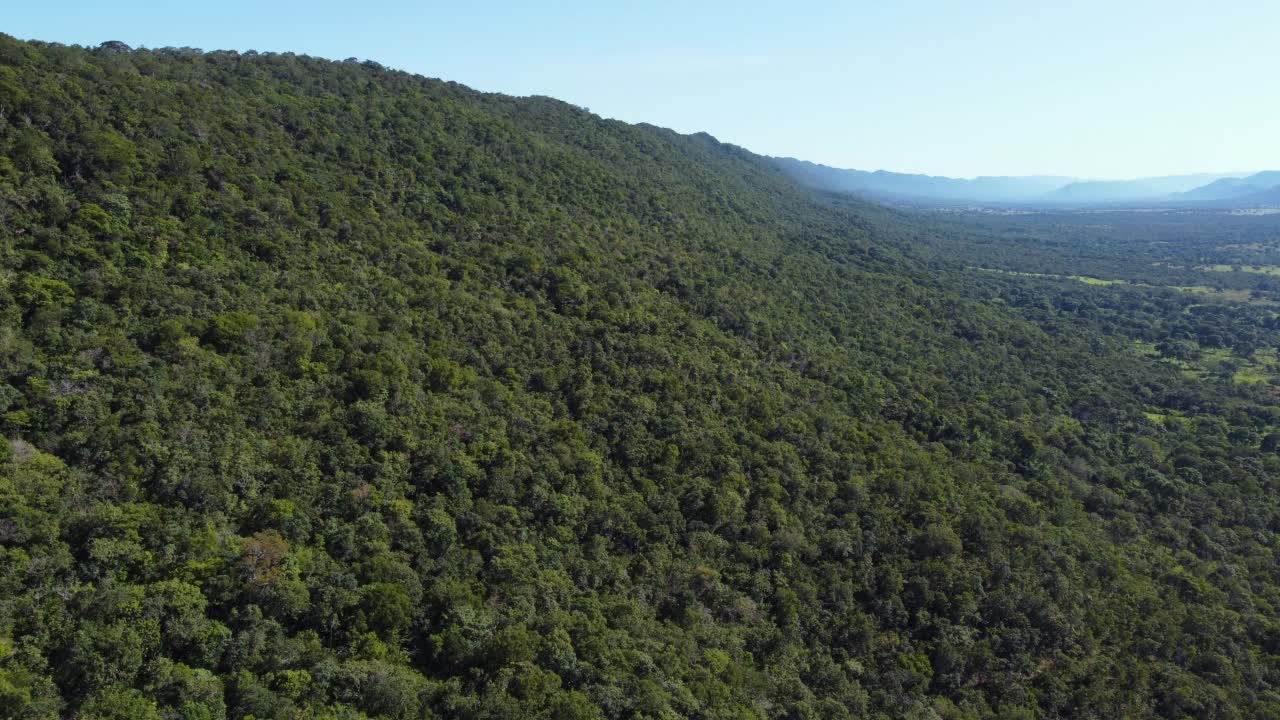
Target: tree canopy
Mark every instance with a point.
(330, 391)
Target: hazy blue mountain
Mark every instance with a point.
(1234, 187)
(1110, 191)
(1032, 189)
(884, 183)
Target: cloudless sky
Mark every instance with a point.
(1090, 88)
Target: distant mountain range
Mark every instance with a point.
(1227, 188)
(1104, 191)
(882, 182)
(1202, 189)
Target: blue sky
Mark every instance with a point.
(1076, 87)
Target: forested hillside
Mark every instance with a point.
(336, 392)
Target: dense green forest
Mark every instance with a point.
(331, 391)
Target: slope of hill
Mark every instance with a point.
(902, 185)
(1262, 198)
(331, 391)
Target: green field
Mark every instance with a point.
(1259, 269)
(1087, 280)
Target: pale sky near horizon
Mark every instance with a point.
(1088, 88)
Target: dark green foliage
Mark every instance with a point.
(330, 391)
